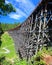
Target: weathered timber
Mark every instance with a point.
(35, 32)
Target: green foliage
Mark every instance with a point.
(39, 59)
(3, 61)
(6, 27)
(2, 57)
(1, 31)
(6, 8)
(48, 51)
(39, 56)
(41, 62)
(20, 62)
(8, 43)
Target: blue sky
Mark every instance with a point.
(23, 10)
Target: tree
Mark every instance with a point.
(4, 10)
(1, 32)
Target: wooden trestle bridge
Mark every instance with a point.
(35, 32)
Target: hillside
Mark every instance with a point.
(7, 26)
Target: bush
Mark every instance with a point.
(20, 62)
(40, 63)
(38, 59)
(39, 56)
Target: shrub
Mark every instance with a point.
(38, 59)
(41, 62)
(39, 56)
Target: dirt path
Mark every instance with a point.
(48, 59)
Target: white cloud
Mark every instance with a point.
(21, 12)
(24, 1)
(15, 16)
(7, 2)
(23, 8)
(26, 5)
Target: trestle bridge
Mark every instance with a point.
(35, 32)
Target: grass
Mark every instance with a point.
(6, 26)
(8, 43)
(49, 51)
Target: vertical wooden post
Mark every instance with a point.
(31, 22)
(40, 24)
(44, 23)
(36, 35)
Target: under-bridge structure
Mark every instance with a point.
(35, 32)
